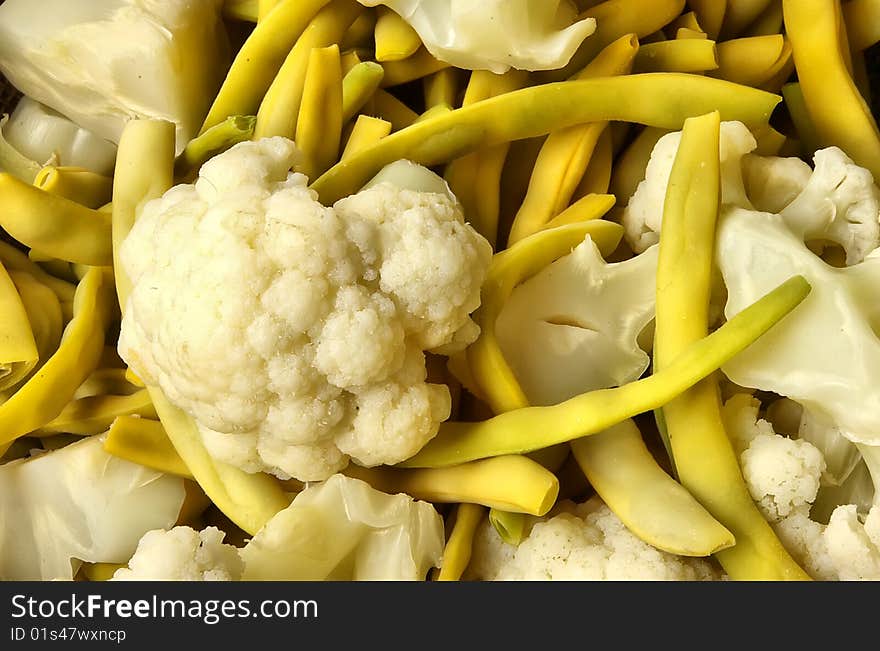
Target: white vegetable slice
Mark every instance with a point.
(78, 503)
(342, 529)
(496, 35)
(581, 318)
(103, 62)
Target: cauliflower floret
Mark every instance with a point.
(783, 476)
(588, 544)
(293, 333)
(643, 214)
(183, 554)
(840, 203)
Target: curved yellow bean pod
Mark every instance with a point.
(416, 66)
(688, 21)
(259, 60)
(144, 441)
(862, 23)
(94, 414)
(144, 171)
(740, 14)
(702, 453)
(360, 34)
(358, 85)
(532, 428)
(278, 113)
(386, 106)
(78, 184)
(587, 208)
(629, 168)
(216, 139)
(750, 60)
(800, 117)
(459, 545)
(395, 39)
(365, 133)
(769, 22)
(44, 313)
(614, 19)
(18, 349)
(538, 110)
(566, 153)
(45, 394)
(838, 111)
(652, 505)
(677, 55)
(56, 226)
(319, 124)
(710, 15)
(475, 179)
(510, 267)
(264, 7)
(16, 260)
(441, 88)
(597, 176)
(144, 165)
(513, 483)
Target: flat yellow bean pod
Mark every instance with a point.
(587, 208)
(652, 505)
(442, 88)
(319, 125)
(459, 544)
(862, 23)
(386, 106)
(360, 34)
(18, 349)
(54, 225)
(475, 179)
(702, 453)
(44, 313)
(95, 414)
(416, 66)
(769, 22)
(278, 113)
(358, 85)
(800, 117)
(216, 139)
(533, 428)
(566, 154)
(144, 441)
(78, 184)
(394, 38)
(365, 133)
(710, 15)
(513, 483)
(538, 110)
(16, 260)
(677, 55)
(597, 176)
(494, 377)
(740, 14)
(837, 109)
(614, 19)
(751, 60)
(259, 60)
(45, 394)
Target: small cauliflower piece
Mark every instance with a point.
(853, 545)
(496, 34)
(839, 203)
(583, 319)
(78, 504)
(182, 554)
(589, 543)
(643, 214)
(294, 333)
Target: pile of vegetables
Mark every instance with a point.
(411, 290)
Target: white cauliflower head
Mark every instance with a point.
(183, 554)
(588, 544)
(293, 333)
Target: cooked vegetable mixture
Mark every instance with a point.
(435, 290)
